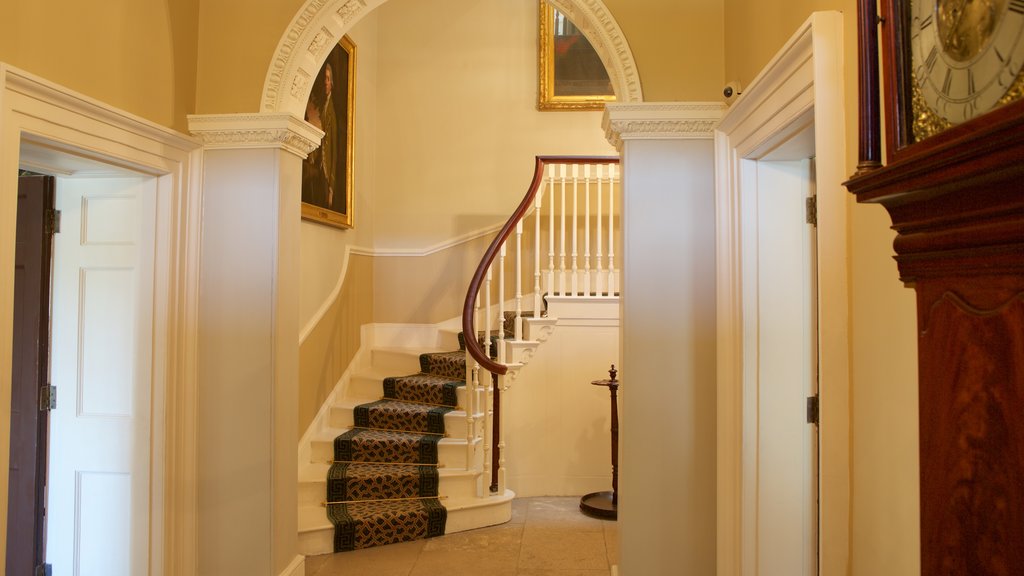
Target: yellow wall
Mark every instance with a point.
(678, 47)
(885, 531)
(458, 127)
(237, 39)
(330, 347)
(137, 55)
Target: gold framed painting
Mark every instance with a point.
(327, 171)
(572, 76)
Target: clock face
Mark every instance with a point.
(966, 55)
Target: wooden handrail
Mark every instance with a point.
(471, 338)
(469, 308)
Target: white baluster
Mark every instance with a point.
(551, 229)
(538, 203)
(612, 174)
(561, 248)
(517, 325)
(501, 436)
(586, 234)
(575, 228)
(600, 250)
(472, 382)
(501, 305)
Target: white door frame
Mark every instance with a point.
(35, 111)
(802, 86)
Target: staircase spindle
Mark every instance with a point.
(551, 229)
(599, 289)
(561, 248)
(501, 305)
(586, 231)
(575, 229)
(612, 278)
(517, 324)
(538, 204)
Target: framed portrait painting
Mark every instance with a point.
(572, 76)
(327, 172)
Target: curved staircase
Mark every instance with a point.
(397, 460)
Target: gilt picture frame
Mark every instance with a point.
(571, 74)
(327, 175)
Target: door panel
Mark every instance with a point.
(786, 372)
(100, 445)
(26, 489)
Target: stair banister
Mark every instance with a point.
(497, 249)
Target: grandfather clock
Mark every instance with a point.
(953, 185)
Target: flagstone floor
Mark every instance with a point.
(546, 537)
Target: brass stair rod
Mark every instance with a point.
(385, 500)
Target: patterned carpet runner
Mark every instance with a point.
(383, 487)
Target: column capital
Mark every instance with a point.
(246, 131)
(661, 121)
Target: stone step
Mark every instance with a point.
(342, 417)
(316, 533)
(454, 483)
(451, 452)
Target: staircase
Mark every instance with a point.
(400, 458)
(406, 457)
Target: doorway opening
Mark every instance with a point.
(83, 362)
(788, 125)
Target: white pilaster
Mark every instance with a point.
(667, 442)
(249, 341)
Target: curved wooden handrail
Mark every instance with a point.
(469, 307)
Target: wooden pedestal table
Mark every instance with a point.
(605, 504)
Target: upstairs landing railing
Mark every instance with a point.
(561, 241)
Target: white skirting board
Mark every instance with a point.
(297, 567)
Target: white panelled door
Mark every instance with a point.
(99, 475)
(785, 373)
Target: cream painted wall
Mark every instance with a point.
(139, 56)
(458, 126)
(885, 532)
(678, 46)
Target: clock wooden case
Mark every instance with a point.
(953, 185)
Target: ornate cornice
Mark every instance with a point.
(661, 121)
(235, 131)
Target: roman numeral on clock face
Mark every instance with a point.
(1017, 6)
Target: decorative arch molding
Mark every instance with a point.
(597, 24)
(320, 24)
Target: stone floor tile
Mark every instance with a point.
(392, 560)
(562, 548)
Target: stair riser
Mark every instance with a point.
(312, 493)
(450, 454)
(454, 422)
(395, 361)
(487, 513)
(366, 388)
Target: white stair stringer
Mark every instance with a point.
(461, 481)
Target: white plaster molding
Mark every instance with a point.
(440, 246)
(661, 121)
(321, 23)
(248, 131)
(297, 567)
(600, 28)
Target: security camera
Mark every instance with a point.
(731, 91)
